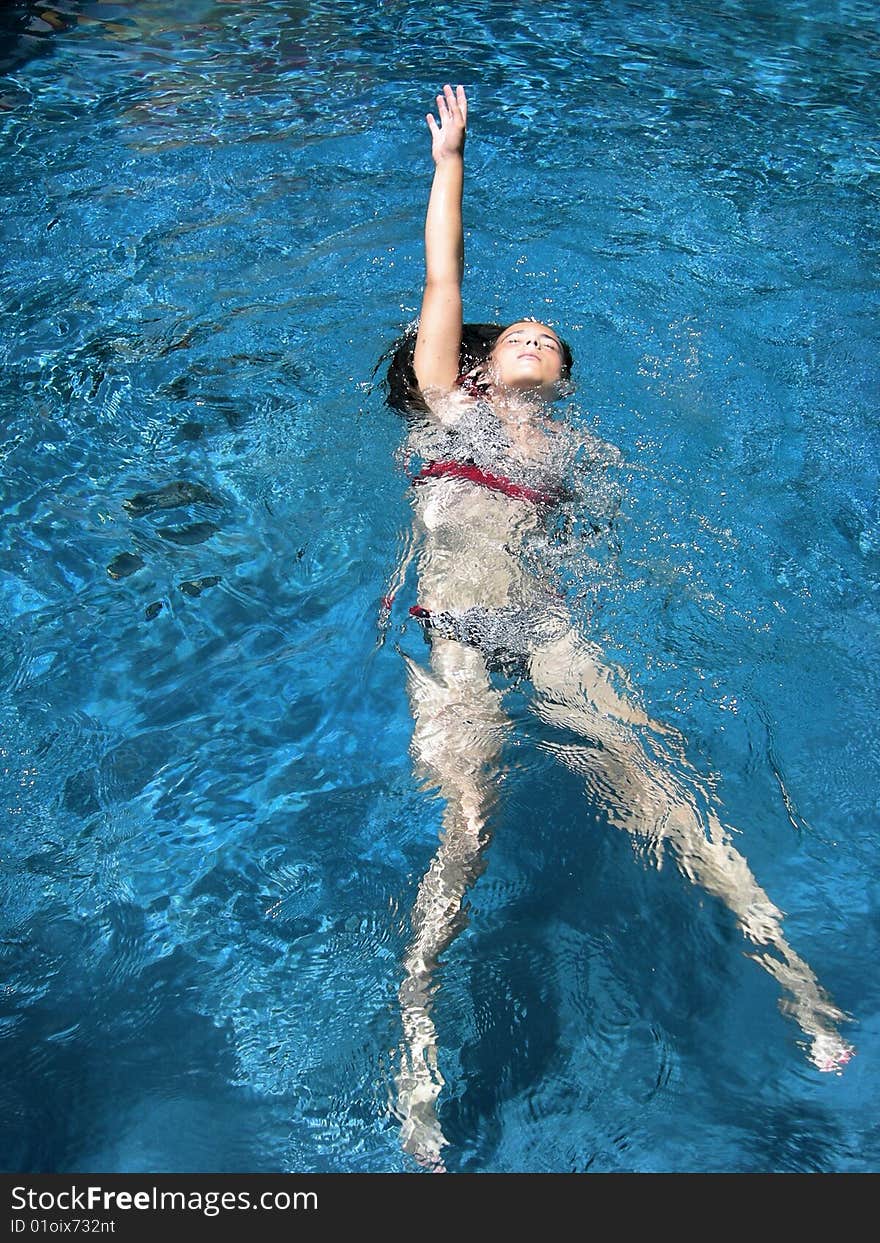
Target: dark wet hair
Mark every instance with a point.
(477, 343)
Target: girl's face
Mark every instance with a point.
(527, 355)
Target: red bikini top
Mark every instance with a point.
(495, 483)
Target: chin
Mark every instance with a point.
(527, 379)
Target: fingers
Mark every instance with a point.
(452, 105)
(448, 133)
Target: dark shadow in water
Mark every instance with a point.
(28, 30)
(122, 1074)
(178, 494)
(790, 1138)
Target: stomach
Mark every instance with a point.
(471, 543)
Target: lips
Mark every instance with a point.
(528, 355)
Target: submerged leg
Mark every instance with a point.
(459, 730)
(632, 762)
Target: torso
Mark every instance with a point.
(472, 534)
(523, 446)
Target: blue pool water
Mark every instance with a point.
(212, 837)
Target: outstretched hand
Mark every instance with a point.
(448, 137)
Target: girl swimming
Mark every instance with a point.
(479, 401)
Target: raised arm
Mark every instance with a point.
(439, 337)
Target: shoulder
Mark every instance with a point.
(448, 406)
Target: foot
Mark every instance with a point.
(830, 1052)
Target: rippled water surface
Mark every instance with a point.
(211, 220)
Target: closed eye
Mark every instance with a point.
(546, 341)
